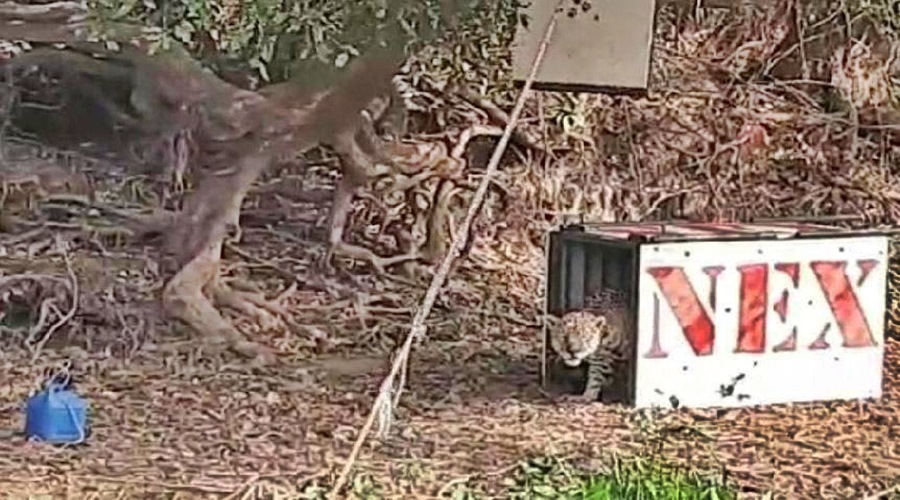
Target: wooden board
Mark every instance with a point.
(605, 48)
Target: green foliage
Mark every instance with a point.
(477, 50)
(279, 38)
(637, 478)
(546, 478)
(641, 479)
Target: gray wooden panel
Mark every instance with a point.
(606, 48)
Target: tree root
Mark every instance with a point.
(185, 298)
(268, 314)
(379, 263)
(410, 172)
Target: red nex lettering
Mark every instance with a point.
(699, 329)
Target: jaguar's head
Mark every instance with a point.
(576, 335)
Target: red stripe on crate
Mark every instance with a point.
(807, 227)
(817, 229)
(625, 231)
(685, 229)
(720, 229)
(773, 228)
(695, 230)
(622, 234)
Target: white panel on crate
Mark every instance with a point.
(741, 323)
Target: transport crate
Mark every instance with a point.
(729, 314)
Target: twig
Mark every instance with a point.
(6, 110)
(23, 237)
(73, 284)
(240, 490)
(418, 328)
(884, 493)
(196, 488)
(498, 115)
(12, 278)
(44, 311)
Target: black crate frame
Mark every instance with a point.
(589, 276)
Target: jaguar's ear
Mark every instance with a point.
(552, 320)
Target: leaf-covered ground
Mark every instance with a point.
(166, 419)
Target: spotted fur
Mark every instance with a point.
(598, 334)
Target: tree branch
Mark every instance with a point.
(51, 22)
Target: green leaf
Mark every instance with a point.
(124, 9)
(184, 32)
(545, 491)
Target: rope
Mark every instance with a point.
(382, 405)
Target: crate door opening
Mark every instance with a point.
(591, 275)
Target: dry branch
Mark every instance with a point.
(54, 22)
(73, 290)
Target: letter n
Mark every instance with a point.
(696, 325)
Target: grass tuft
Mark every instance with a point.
(636, 478)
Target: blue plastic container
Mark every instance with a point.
(56, 415)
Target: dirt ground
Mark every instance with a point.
(173, 422)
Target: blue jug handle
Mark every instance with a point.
(59, 386)
(81, 432)
(63, 371)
